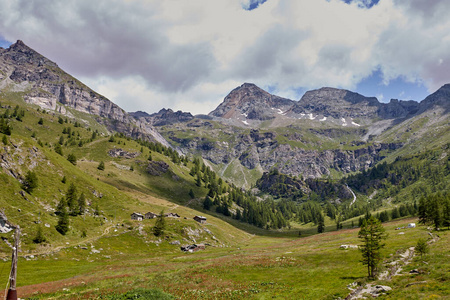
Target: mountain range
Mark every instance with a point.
(327, 132)
(78, 174)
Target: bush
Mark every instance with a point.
(72, 159)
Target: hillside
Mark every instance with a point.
(74, 167)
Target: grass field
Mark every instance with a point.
(240, 266)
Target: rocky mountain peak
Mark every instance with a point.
(163, 117)
(22, 54)
(43, 83)
(439, 98)
(248, 101)
(336, 103)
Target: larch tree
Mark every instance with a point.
(372, 234)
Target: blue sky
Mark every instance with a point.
(398, 88)
(188, 55)
(4, 43)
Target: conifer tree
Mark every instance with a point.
(72, 159)
(81, 204)
(30, 182)
(58, 149)
(63, 221)
(422, 247)
(39, 238)
(320, 223)
(372, 234)
(71, 200)
(160, 225)
(101, 166)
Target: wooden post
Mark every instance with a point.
(12, 293)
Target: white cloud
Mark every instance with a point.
(189, 54)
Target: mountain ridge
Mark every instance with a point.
(43, 83)
(249, 102)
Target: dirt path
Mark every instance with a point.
(395, 269)
(354, 196)
(50, 250)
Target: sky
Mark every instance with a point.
(188, 55)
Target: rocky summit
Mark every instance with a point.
(163, 117)
(249, 102)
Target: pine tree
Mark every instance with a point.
(207, 203)
(72, 159)
(63, 222)
(422, 247)
(58, 149)
(101, 166)
(81, 204)
(372, 233)
(160, 225)
(320, 223)
(191, 194)
(39, 238)
(30, 182)
(61, 206)
(198, 181)
(72, 200)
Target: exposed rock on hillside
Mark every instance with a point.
(157, 168)
(122, 153)
(45, 84)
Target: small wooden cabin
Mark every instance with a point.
(171, 215)
(150, 215)
(200, 219)
(137, 216)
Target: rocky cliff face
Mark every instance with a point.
(43, 83)
(263, 151)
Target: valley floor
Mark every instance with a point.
(251, 267)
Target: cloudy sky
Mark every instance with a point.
(187, 55)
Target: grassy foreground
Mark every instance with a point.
(243, 267)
